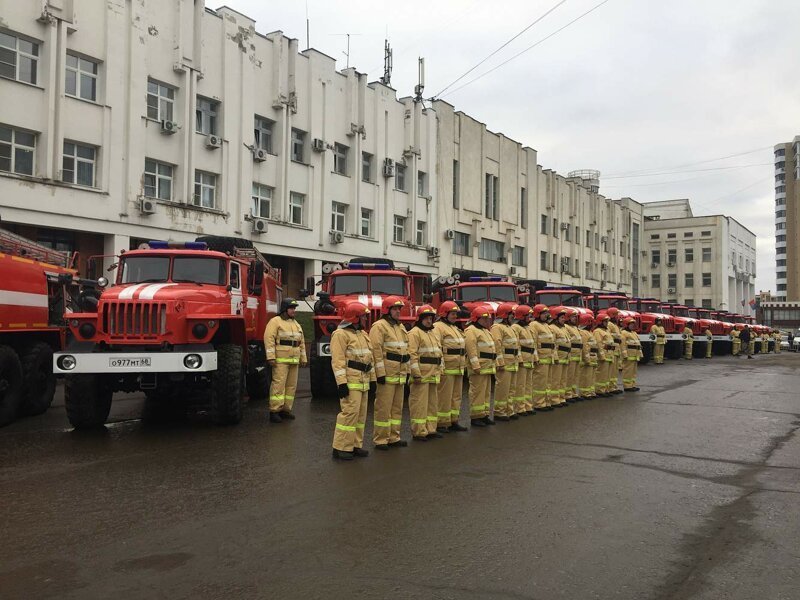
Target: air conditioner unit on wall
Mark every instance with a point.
(670, 290)
(259, 154)
(168, 127)
(318, 145)
(388, 167)
(258, 225)
(147, 206)
(513, 271)
(337, 237)
(213, 142)
(564, 226)
(449, 234)
(433, 251)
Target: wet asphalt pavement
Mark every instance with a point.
(688, 489)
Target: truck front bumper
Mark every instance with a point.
(68, 363)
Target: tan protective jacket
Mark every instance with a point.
(575, 342)
(661, 335)
(605, 344)
(527, 345)
(283, 341)
(351, 358)
(545, 342)
(589, 348)
(507, 344)
(453, 347)
(631, 348)
(709, 335)
(481, 350)
(390, 350)
(425, 350)
(562, 342)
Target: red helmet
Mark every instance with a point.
(561, 310)
(601, 318)
(353, 312)
(482, 310)
(446, 307)
(586, 319)
(538, 310)
(506, 309)
(612, 312)
(522, 311)
(424, 311)
(627, 321)
(390, 302)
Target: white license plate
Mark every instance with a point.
(126, 363)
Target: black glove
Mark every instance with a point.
(344, 391)
(373, 391)
(382, 380)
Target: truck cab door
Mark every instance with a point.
(235, 284)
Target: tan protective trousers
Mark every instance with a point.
(572, 379)
(777, 347)
(283, 387)
(555, 394)
(604, 368)
(586, 379)
(541, 376)
(502, 392)
(615, 373)
(687, 350)
(736, 349)
(524, 401)
(751, 348)
(349, 431)
(658, 353)
(388, 413)
(422, 407)
(449, 392)
(709, 348)
(629, 369)
(480, 388)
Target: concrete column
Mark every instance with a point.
(112, 246)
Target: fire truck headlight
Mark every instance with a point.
(652, 336)
(192, 361)
(200, 330)
(87, 330)
(66, 362)
(102, 282)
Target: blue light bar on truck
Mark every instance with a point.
(163, 245)
(376, 266)
(497, 278)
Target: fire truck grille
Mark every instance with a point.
(132, 320)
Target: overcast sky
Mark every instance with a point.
(635, 85)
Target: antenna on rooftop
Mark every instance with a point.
(347, 53)
(387, 64)
(418, 89)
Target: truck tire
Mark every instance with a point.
(10, 385)
(647, 351)
(39, 385)
(87, 399)
(323, 383)
(227, 385)
(220, 243)
(259, 375)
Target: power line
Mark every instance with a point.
(700, 162)
(518, 54)
(736, 193)
(688, 171)
(460, 77)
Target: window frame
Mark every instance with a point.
(263, 133)
(462, 239)
(367, 161)
(203, 185)
(518, 256)
(491, 198)
(157, 179)
(399, 226)
(298, 141)
(258, 198)
(706, 277)
(79, 74)
(366, 218)
(207, 111)
(706, 252)
(14, 146)
(421, 233)
(297, 202)
(340, 158)
(165, 101)
(422, 184)
(338, 217)
(400, 172)
(77, 160)
(32, 57)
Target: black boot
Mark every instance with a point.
(458, 427)
(285, 414)
(360, 452)
(382, 447)
(420, 438)
(435, 435)
(398, 444)
(514, 417)
(275, 418)
(442, 429)
(488, 420)
(477, 423)
(501, 418)
(342, 455)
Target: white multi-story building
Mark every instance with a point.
(787, 220)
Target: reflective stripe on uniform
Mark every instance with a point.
(454, 371)
(419, 421)
(290, 361)
(363, 387)
(396, 421)
(360, 426)
(381, 423)
(478, 407)
(442, 415)
(398, 379)
(345, 427)
(546, 361)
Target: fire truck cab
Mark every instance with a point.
(650, 309)
(468, 289)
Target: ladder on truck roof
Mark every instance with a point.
(254, 254)
(17, 245)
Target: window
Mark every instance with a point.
(399, 229)
(672, 256)
(555, 263)
(456, 176)
(523, 208)
(747, 265)
(262, 201)
(622, 248)
(781, 287)
(297, 206)
(491, 204)
(707, 303)
(706, 279)
(706, 254)
(16, 150)
(338, 216)
(298, 145)
(577, 235)
(672, 280)
(543, 224)
(780, 238)
(160, 101)
(518, 256)
(655, 236)
(543, 261)
(421, 234)
(461, 244)
(205, 189)
(671, 236)
(705, 233)
(78, 164)
(597, 241)
(688, 280)
(688, 234)
(588, 266)
(263, 130)
(567, 230)
(780, 263)
(422, 183)
(656, 256)
(19, 58)
(366, 167)
(492, 250)
(688, 254)
(689, 301)
(779, 226)
(780, 202)
(655, 280)
(366, 222)
(555, 228)
(340, 158)
(157, 179)
(588, 238)
(399, 177)
(81, 78)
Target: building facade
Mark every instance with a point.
(707, 261)
(787, 220)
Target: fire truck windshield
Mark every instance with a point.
(343, 285)
(620, 303)
(559, 299)
(500, 293)
(651, 307)
(680, 312)
(142, 269)
(391, 285)
(199, 270)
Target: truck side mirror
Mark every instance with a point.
(91, 269)
(255, 278)
(303, 293)
(310, 285)
(427, 297)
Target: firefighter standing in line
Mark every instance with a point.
(688, 343)
(747, 341)
(481, 359)
(545, 348)
(709, 342)
(576, 348)
(777, 337)
(605, 354)
(560, 361)
(631, 354)
(351, 361)
(451, 384)
(736, 344)
(527, 360)
(389, 340)
(614, 330)
(507, 348)
(425, 350)
(286, 351)
(661, 341)
(588, 362)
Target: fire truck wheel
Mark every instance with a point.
(224, 244)
(10, 385)
(39, 379)
(227, 386)
(258, 380)
(87, 399)
(323, 383)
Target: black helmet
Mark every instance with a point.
(286, 304)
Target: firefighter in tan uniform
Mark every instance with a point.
(631, 354)
(709, 342)
(527, 359)
(481, 361)
(543, 396)
(688, 342)
(587, 369)
(351, 360)
(616, 334)
(507, 345)
(389, 340)
(451, 384)
(736, 342)
(575, 351)
(605, 354)
(657, 330)
(777, 337)
(558, 390)
(426, 369)
(286, 351)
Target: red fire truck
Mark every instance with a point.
(650, 309)
(183, 321)
(554, 297)
(37, 286)
(470, 288)
(704, 322)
